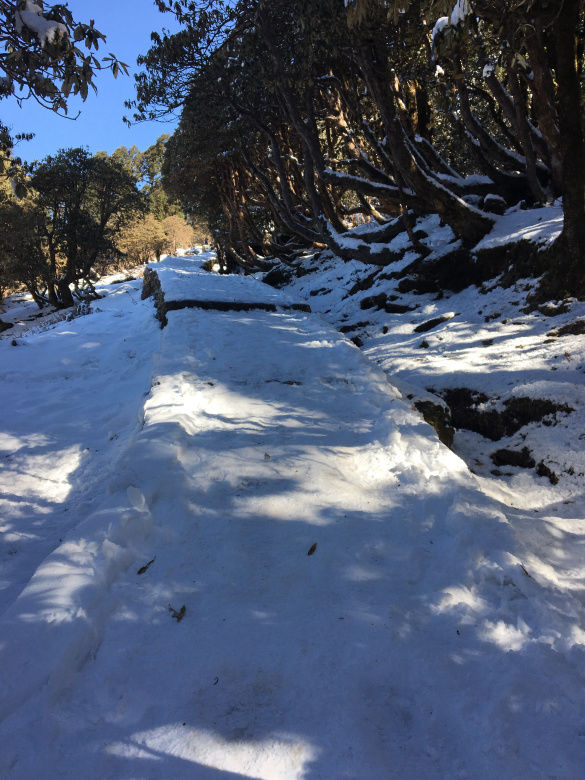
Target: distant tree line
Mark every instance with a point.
(298, 115)
(68, 218)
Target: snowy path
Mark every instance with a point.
(410, 643)
(70, 399)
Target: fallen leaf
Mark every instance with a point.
(312, 548)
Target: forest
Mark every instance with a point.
(319, 114)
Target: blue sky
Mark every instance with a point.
(127, 25)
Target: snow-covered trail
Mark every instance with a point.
(410, 643)
(70, 399)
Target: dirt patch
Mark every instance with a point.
(543, 471)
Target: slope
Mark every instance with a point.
(354, 604)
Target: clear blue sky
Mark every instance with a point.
(127, 25)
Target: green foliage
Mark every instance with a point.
(46, 54)
(68, 220)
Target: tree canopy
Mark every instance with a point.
(297, 116)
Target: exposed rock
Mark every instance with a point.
(373, 300)
(418, 285)
(5, 326)
(468, 411)
(494, 204)
(543, 471)
(279, 276)
(397, 308)
(575, 328)
(355, 326)
(438, 415)
(521, 458)
(514, 261)
(430, 324)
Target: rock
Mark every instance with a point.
(278, 276)
(543, 471)
(438, 415)
(418, 285)
(396, 308)
(430, 324)
(373, 300)
(495, 204)
(355, 326)
(468, 411)
(521, 458)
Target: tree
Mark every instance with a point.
(85, 202)
(21, 257)
(317, 109)
(40, 54)
(148, 237)
(143, 239)
(179, 233)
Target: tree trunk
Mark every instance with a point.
(467, 223)
(571, 131)
(65, 296)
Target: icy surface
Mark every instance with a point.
(357, 602)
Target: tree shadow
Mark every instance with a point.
(410, 643)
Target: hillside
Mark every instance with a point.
(233, 547)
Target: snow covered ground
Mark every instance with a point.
(232, 548)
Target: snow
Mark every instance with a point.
(45, 29)
(460, 12)
(440, 24)
(184, 279)
(436, 629)
(538, 226)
